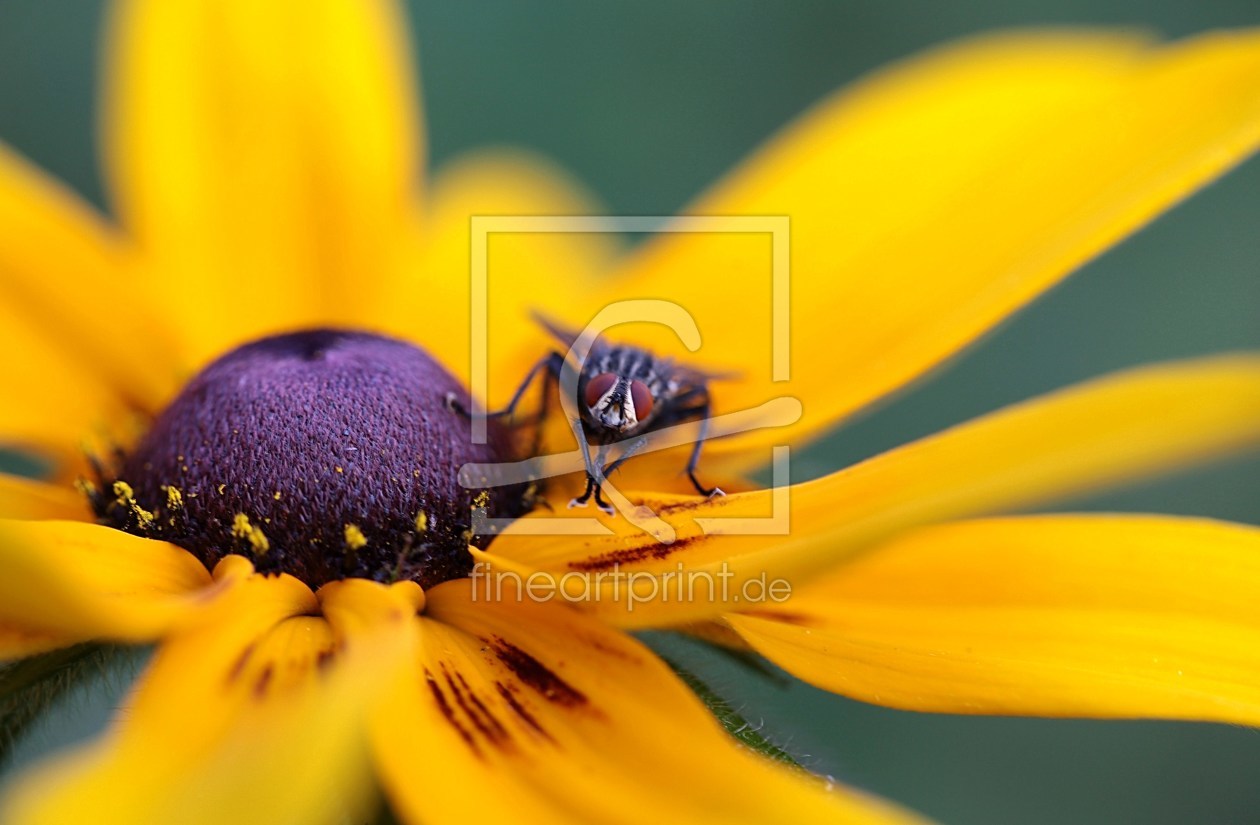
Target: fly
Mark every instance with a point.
(624, 393)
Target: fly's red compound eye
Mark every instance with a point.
(642, 397)
(598, 387)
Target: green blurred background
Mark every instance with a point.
(651, 101)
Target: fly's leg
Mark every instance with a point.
(550, 367)
(594, 479)
(582, 500)
(604, 506)
(631, 450)
(695, 455)
(692, 405)
(591, 476)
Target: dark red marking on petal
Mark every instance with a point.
(324, 659)
(631, 555)
(482, 720)
(520, 710)
(684, 505)
(615, 652)
(785, 616)
(238, 667)
(536, 675)
(481, 706)
(449, 713)
(263, 681)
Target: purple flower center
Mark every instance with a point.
(324, 454)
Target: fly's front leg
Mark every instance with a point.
(603, 506)
(631, 450)
(581, 500)
(594, 479)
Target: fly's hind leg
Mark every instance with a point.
(692, 462)
(550, 367)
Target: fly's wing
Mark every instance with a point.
(690, 377)
(689, 396)
(562, 334)
(686, 390)
(567, 338)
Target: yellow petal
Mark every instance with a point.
(1107, 616)
(254, 716)
(262, 154)
(24, 498)
(53, 401)
(18, 643)
(1122, 427)
(63, 275)
(83, 581)
(430, 302)
(564, 720)
(934, 199)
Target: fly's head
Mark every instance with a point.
(621, 392)
(618, 405)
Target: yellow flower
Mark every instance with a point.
(264, 164)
